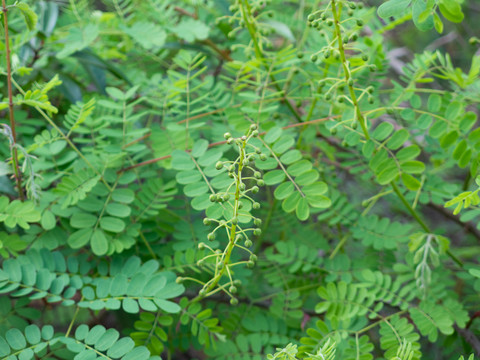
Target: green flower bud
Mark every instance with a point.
(300, 55)
(255, 189)
(207, 221)
(365, 57)
(313, 58)
(234, 301)
(240, 205)
(333, 131)
(211, 236)
(242, 186)
(213, 198)
(257, 174)
(201, 246)
(350, 82)
(239, 237)
(257, 232)
(248, 243)
(219, 165)
(329, 22)
(253, 257)
(253, 127)
(237, 282)
(256, 205)
(235, 221)
(179, 280)
(226, 197)
(260, 182)
(311, 17)
(255, 133)
(263, 157)
(250, 264)
(340, 99)
(359, 22)
(227, 135)
(257, 222)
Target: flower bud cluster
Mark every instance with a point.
(246, 181)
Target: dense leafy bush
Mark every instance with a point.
(239, 180)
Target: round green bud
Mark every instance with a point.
(257, 174)
(253, 127)
(371, 99)
(263, 157)
(246, 162)
(232, 289)
(311, 17)
(300, 55)
(365, 57)
(202, 292)
(390, 111)
(201, 245)
(227, 135)
(255, 189)
(230, 141)
(354, 125)
(329, 22)
(256, 205)
(255, 133)
(313, 58)
(237, 282)
(179, 280)
(359, 22)
(350, 12)
(248, 243)
(326, 54)
(333, 131)
(234, 301)
(365, 203)
(226, 197)
(260, 182)
(211, 237)
(250, 264)
(242, 186)
(340, 99)
(323, 16)
(253, 257)
(257, 222)
(257, 232)
(207, 221)
(350, 82)
(240, 205)
(258, 151)
(345, 40)
(239, 237)
(276, 115)
(352, 5)
(235, 221)
(328, 96)
(219, 165)
(372, 68)
(213, 198)
(231, 175)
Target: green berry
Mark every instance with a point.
(232, 289)
(219, 165)
(263, 157)
(257, 232)
(207, 221)
(260, 182)
(255, 133)
(250, 264)
(248, 243)
(365, 57)
(313, 58)
(227, 135)
(253, 257)
(256, 205)
(359, 22)
(257, 175)
(201, 245)
(300, 55)
(213, 198)
(257, 222)
(234, 301)
(211, 237)
(255, 189)
(242, 186)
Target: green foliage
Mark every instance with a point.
(239, 180)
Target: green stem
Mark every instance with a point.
(70, 326)
(18, 175)
(247, 14)
(341, 49)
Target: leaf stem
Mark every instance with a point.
(18, 175)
